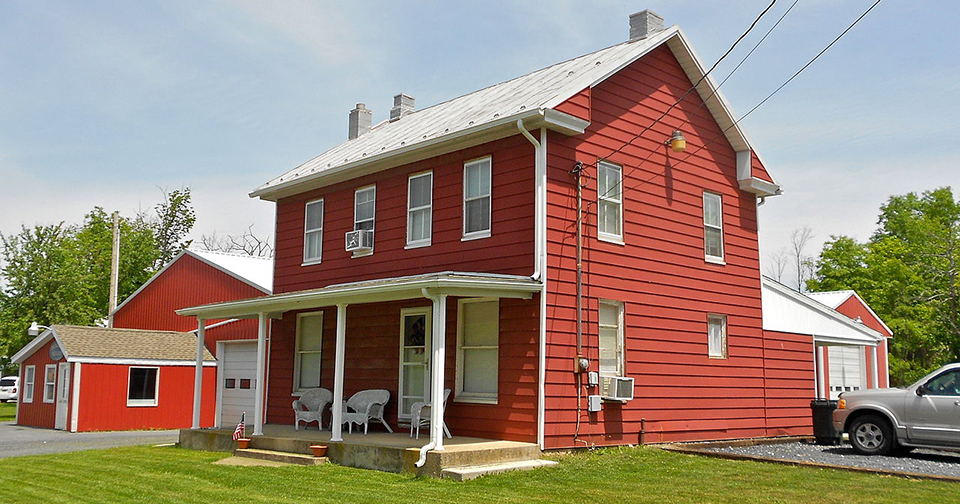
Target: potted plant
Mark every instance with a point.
(243, 443)
(319, 450)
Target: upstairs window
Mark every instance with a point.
(365, 205)
(611, 338)
(713, 227)
(142, 386)
(420, 210)
(313, 232)
(610, 204)
(476, 199)
(308, 351)
(717, 336)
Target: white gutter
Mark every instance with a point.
(540, 265)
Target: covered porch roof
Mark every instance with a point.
(450, 283)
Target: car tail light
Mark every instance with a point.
(842, 404)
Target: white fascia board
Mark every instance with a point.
(368, 292)
(36, 343)
(838, 341)
(139, 362)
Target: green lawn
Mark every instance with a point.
(145, 474)
(8, 411)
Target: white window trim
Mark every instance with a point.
(313, 260)
(426, 311)
(472, 397)
(426, 242)
(483, 233)
(297, 389)
(31, 372)
(724, 343)
(139, 403)
(372, 219)
(52, 396)
(619, 305)
(707, 257)
(601, 235)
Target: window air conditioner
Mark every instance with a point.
(616, 388)
(359, 240)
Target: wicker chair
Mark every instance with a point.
(420, 415)
(364, 406)
(310, 406)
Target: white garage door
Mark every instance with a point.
(846, 369)
(237, 383)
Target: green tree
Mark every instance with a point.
(175, 218)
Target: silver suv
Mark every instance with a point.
(925, 414)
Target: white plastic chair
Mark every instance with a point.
(420, 413)
(364, 406)
(310, 406)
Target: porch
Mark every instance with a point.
(461, 457)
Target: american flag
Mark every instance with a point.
(238, 432)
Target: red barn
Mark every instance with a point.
(546, 249)
(94, 379)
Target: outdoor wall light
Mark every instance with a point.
(677, 142)
(34, 330)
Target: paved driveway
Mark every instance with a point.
(16, 441)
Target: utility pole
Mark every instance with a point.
(114, 267)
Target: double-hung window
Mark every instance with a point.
(308, 351)
(610, 202)
(49, 382)
(420, 210)
(717, 336)
(313, 232)
(713, 227)
(611, 338)
(476, 198)
(142, 386)
(29, 376)
(478, 350)
(364, 212)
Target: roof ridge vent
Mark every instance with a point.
(644, 23)
(402, 105)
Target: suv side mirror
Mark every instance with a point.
(921, 390)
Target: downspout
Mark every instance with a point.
(438, 349)
(540, 265)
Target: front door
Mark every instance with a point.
(414, 358)
(63, 396)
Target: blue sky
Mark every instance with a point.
(108, 102)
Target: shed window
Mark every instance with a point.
(611, 338)
(309, 340)
(29, 376)
(478, 350)
(313, 232)
(420, 210)
(49, 382)
(142, 386)
(717, 336)
(610, 203)
(713, 227)
(476, 198)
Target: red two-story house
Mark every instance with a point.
(542, 248)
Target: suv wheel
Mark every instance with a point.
(871, 435)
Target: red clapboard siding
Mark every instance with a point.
(103, 399)
(659, 273)
(508, 250)
(37, 413)
(187, 282)
(372, 360)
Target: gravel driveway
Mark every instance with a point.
(17, 441)
(933, 462)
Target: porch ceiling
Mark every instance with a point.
(458, 284)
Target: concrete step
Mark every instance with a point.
(278, 456)
(469, 473)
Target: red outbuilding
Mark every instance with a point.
(95, 379)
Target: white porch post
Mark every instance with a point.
(820, 381)
(337, 406)
(261, 374)
(436, 370)
(198, 375)
(873, 366)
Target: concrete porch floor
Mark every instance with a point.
(377, 450)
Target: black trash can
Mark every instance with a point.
(822, 410)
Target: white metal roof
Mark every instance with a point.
(254, 270)
(504, 103)
(787, 310)
(834, 299)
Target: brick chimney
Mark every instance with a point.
(644, 23)
(361, 120)
(402, 105)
